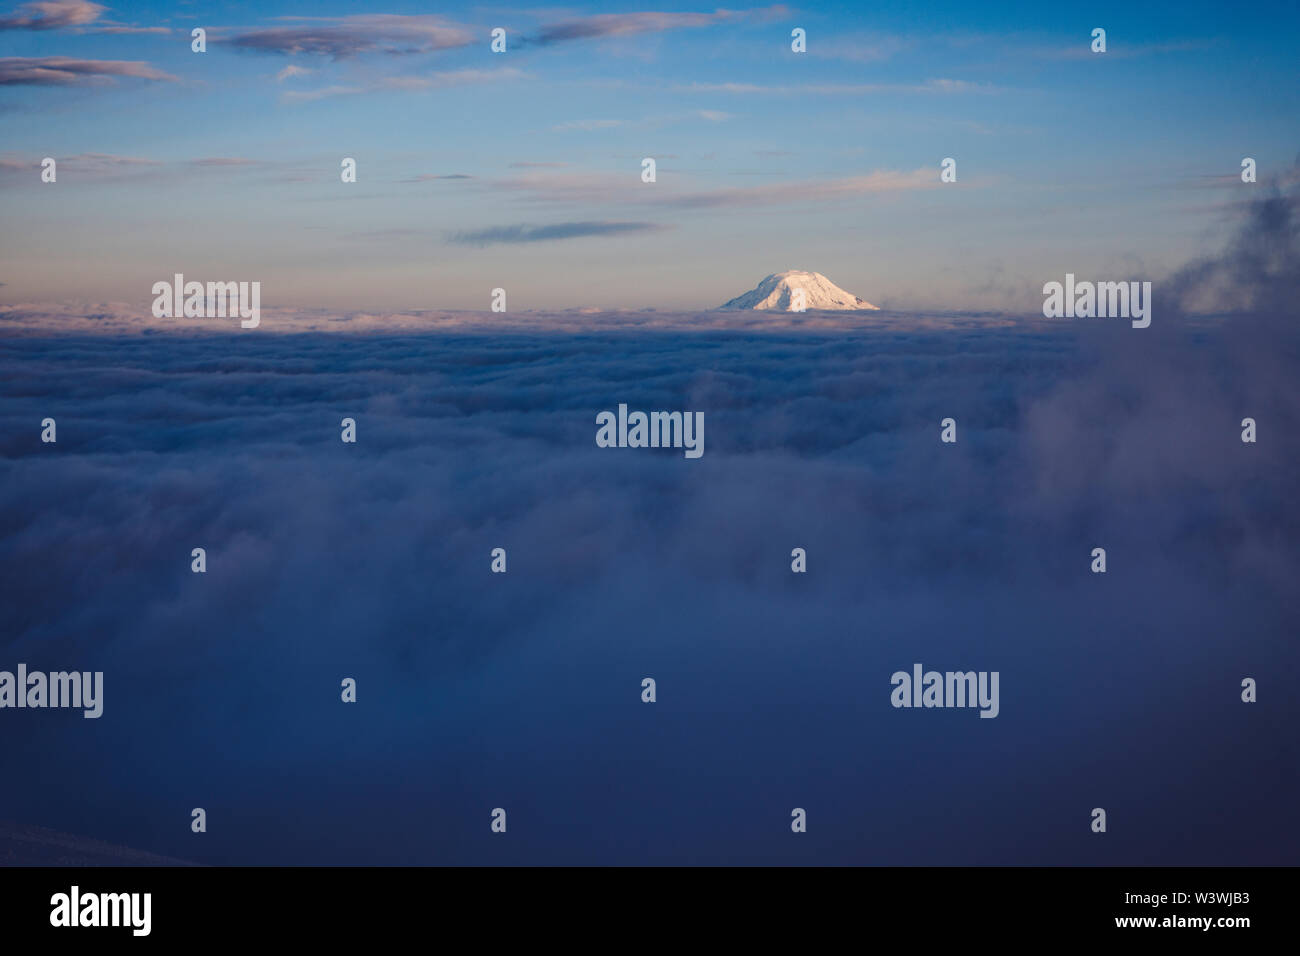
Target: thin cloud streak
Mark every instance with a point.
(588, 125)
(435, 81)
(429, 177)
(560, 230)
(630, 24)
(586, 188)
(125, 30)
(939, 85)
(69, 71)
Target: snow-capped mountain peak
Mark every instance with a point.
(788, 291)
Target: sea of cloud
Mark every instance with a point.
(522, 690)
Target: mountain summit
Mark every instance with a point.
(780, 291)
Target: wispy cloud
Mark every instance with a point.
(81, 167)
(389, 234)
(646, 122)
(590, 124)
(223, 161)
(559, 230)
(75, 15)
(344, 37)
(290, 71)
(580, 188)
(390, 84)
(627, 24)
(1082, 49)
(126, 29)
(52, 15)
(430, 177)
(939, 85)
(324, 92)
(100, 167)
(871, 48)
(69, 71)
(814, 191)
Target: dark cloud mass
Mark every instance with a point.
(1260, 270)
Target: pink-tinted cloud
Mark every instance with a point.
(626, 24)
(70, 71)
(124, 29)
(52, 15)
(344, 37)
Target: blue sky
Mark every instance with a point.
(522, 170)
